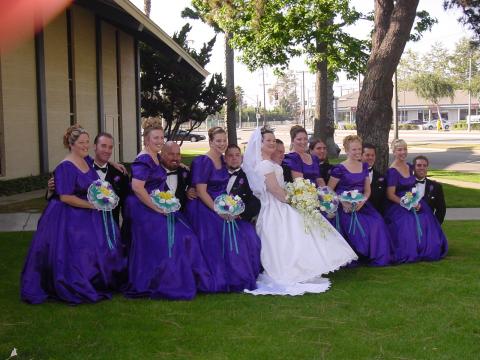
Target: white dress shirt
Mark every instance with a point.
(232, 179)
(172, 179)
(101, 174)
(420, 187)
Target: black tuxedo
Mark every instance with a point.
(120, 184)
(242, 188)
(378, 194)
(287, 173)
(325, 169)
(183, 183)
(435, 199)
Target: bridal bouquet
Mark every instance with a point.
(409, 201)
(166, 201)
(302, 195)
(353, 197)
(101, 195)
(233, 206)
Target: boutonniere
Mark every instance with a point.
(381, 179)
(431, 187)
(184, 174)
(241, 181)
(116, 178)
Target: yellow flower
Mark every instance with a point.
(328, 197)
(104, 191)
(166, 195)
(230, 201)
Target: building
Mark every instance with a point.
(411, 107)
(82, 68)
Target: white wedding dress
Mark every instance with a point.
(294, 259)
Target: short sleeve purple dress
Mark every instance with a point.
(151, 271)
(310, 172)
(231, 271)
(373, 244)
(69, 257)
(408, 245)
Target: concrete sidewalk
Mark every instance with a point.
(28, 221)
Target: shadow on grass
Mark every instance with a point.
(417, 311)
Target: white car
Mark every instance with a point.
(431, 125)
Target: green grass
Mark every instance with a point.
(417, 311)
(455, 175)
(457, 197)
(32, 205)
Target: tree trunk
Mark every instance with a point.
(323, 125)
(393, 23)
(230, 87)
(147, 6)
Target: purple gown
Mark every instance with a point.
(310, 172)
(231, 271)
(408, 246)
(69, 258)
(151, 271)
(374, 244)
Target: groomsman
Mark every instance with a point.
(103, 149)
(431, 190)
(278, 157)
(325, 166)
(178, 176)
(378, 182)
(238, 183)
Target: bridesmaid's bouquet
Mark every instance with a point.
(101, 195)
(302, 195)
(328, 200)
(353, 197)
(409, 201)
(233, 206)
(169, 204)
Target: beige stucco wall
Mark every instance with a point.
(129, 129)
(19, 100)
(84, 54)
(56, 87)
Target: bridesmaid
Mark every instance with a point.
(301, 163)
(370, 240)
(69, 258)
(318, 148)
(231, 271)
(152, 271)
(409, 244)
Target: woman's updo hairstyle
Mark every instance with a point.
(72, 134)
(266, 130)
(295, 130)
(350, 139)
(150, 124)
(398, 143)
(214, 131)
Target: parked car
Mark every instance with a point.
(431, 125)
(415, 122)
(185, 136)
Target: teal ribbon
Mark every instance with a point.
(337, 221)
(232, 227)
(354, 223)
(419, 226)
(170, 232)
(111, 241)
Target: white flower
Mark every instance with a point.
(13, 353)
(221, 203)
(323, 208)
(161, 201)
(230, 208)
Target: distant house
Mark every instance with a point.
(411, 107)
(82, 68)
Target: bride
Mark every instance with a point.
(293, 259)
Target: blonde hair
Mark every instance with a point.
(214, 131)
(350, 139)
(72, 134)
(150, 124)
(397, 143)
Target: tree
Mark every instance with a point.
(147, 6)
(284, 92)
(177, 95)
(270, 33)
(393, 22)
(207, 11)
(471, 12)
(432, 87)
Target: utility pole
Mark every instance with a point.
(469, 91)
(264, 98)
(395, 108)
(303, 96)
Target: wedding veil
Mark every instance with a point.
(253, 157)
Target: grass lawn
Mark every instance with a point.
(418, 311)
(455, 175)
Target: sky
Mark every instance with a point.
(167, 15)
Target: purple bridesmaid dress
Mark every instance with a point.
(231, 271)
(373, 244)
(152, 272)
(69, 258)
(310, 172)
(408, 245)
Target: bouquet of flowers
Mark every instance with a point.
(101, 195)
(353, 197)
(169, 204)
(229, 205)
(409, 201)
(302, 195)
(328, 200)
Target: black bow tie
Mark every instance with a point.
(234, 173)
(370, 169)
(174, 172)
(420, 181)
(102, 169)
